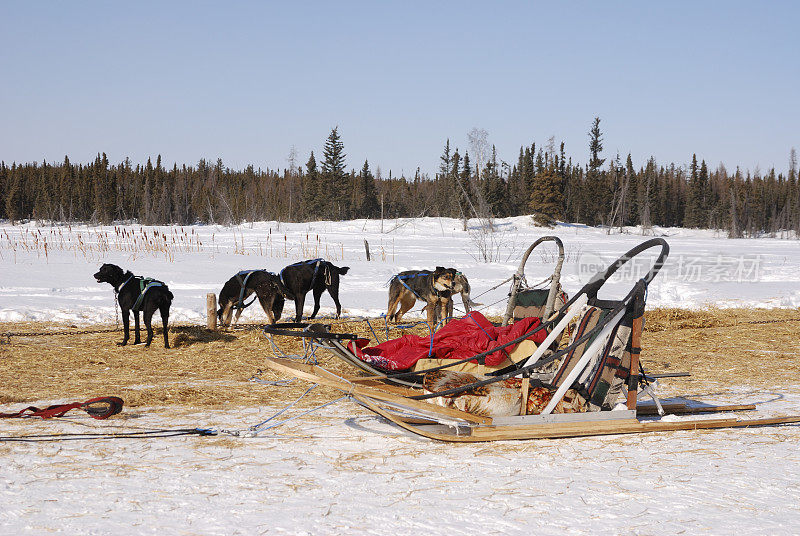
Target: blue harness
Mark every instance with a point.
(301, 263)
(145, 284)
(409, 276)
(242, 278)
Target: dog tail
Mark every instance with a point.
(341, 271)
(167, 297)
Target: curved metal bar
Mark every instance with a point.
(554, 280)
(599, 280)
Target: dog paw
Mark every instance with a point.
(123, 343)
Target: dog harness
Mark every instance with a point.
(97, 408)
(117, 289)
(435, 290)
(301, 263)
(409, 276)
(145, 284)
(242, 278)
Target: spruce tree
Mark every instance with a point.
(334, 177)
(313, 197)
(13, 194)
(493, 186)
(595, 194)
(693, 214)
(369, 200)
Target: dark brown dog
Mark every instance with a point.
(434, 288)
(138, 294)
(317, 275)
(267, 287)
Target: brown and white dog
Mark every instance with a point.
(461, 286)
(435, 288)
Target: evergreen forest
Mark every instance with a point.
(543, 181)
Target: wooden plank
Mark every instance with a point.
(523, 406)
(557, 430)
(319, 375)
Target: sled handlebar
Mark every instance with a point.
(593, 286)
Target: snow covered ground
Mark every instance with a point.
(55, 283)
(340, 471)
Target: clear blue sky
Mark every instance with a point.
(244, 81)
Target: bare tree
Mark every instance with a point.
(550, 146)
(292, 159)
(478, 139)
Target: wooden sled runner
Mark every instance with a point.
(446, 424)
(589, 387)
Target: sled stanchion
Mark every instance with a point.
(211, 311)
(518, 280)
(636, 343)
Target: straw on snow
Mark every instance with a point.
(721, 348)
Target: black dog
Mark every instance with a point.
(267, 287)
(137, 294)
(317, 275)
(434, 288)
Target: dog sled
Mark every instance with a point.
(590, 386)
(525, 305)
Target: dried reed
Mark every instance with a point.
(720, 348)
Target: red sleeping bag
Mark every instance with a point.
(459, 339)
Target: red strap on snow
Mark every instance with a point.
(97, 408)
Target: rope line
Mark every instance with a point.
(114, 435)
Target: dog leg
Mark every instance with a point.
(126, 324)
(446, 311)
(267, 306)
(333, 290)
(407, 302)
(227, 312)
(148, 324)
(136, 339)
(432, 310)
(237, 315)
(165, 324)
(299, 302)
(277, 307)
(392, 308)
(317, 293)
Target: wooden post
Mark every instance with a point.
(366, 248)
(211, 311)
(526, 384)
